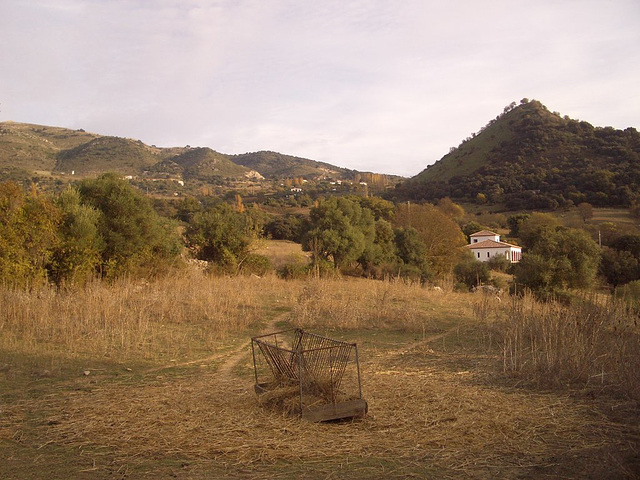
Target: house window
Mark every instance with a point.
(488, 254)
(478, 254)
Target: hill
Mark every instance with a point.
(35, 147)
(278, 165)
(107, 154)
(529, 157)
(27, 149)
(206, 164)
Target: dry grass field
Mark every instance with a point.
(154, 380)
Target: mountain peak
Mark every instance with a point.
(529, 157)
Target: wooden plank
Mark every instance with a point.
(350, 409)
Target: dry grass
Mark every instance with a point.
(438, 409)
(365, 304)
(422, 419)
(173, 317)
(590, 343)
(283, 252)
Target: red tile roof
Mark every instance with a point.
(490, 244)
(483, 233)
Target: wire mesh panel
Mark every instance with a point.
(308, 374)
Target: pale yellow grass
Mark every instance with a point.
(366, 304)
(283, 252)
(171, 317)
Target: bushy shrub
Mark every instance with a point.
(630, 293)
(472, 272)
(293, 271)
(499, 263)
(255, 264)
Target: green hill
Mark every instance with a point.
(529, 157)
(107, 154)
(26, 149)
(278, 165)
(206, 164)
(35, 147)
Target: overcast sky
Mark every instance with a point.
(384, 86)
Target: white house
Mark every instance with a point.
(485, 245)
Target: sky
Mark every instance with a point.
(375, 85)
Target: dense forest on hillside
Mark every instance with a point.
(529, 157)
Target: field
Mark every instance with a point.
(154, 380)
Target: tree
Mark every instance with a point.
(619, 266)
(381, 209)
(28, 235)
(564, 258)
(221, 235)
(515, 221)
(585, 210)
(412, 253)
(538, 227)
(339, 230)
(449, 208)
(471, 272)
(440, 235)
(134, 235)
(78, 254)
(287, 227)
(621, 262)
(382, 251)
(470, 228)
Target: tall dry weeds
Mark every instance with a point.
(590, 343)
(170, 317)
(359, 303)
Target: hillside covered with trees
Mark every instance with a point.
(529, 157)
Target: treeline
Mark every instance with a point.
(105, 228)
(100, 227)
(545, 162)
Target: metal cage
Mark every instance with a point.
(307, 374)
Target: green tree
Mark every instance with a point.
(585, 210)
(619, 266)
(287, 227)
(339, 230)
(381, 209)
(79, 252)
(412, 253)
(449, 208)
(28, 235)
(564, 258)
(382, 251)
(538, 227)
(134, 235)
(221, 235)
(471, 272)
(515, 221)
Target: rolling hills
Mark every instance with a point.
(27, 149)
(529, 157)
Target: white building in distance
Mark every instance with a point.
(485, 245)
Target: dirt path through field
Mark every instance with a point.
(236, 355)
(231, 358)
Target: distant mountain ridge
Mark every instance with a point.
(36, 148)
(529, 157)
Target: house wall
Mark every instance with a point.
(486, 254)
(495, 238)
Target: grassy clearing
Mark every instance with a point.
(283, 252)
(440, 404)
